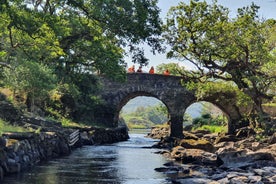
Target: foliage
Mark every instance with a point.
(213, 128)
(236, 50)
(30, 78)
(76, 36)
(207, 119)
(4, 127)
(174, 68)
(76, 100)
(216, 89)
(76, 39)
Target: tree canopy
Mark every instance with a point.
(79, 35)
(240, 49)
(74, 39)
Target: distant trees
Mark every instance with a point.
(146, 117)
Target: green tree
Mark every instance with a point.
(222, 48)
(79, 35)
(174, 68)
(77, 39)
(30, 78)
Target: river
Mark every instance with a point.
(126, 162)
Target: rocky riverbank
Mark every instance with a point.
(19, 151)
(202, 157)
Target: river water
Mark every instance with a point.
(126, 162)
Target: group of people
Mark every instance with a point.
(151, 71)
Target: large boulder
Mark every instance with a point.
(233, 157)
(271, 149)
(197, 144)
(195, 156)
(245, 132)
(159, 132)
(189, 135)
(225, 138)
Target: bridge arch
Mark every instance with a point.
(132, 95)
(141, 103)
(169, 90)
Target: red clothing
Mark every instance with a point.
(151, 71)
(131, 69)
(166, 72)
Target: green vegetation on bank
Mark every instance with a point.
(5, 127)
(213, 128)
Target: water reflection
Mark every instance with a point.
(125, 162)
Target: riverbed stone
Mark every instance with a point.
(241, 158)
(195, 181)
(269, 149)
(193, 156)
(197, 144)
(239, 180)
(225, 138)
(188, 135)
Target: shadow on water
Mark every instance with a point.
(124, 162)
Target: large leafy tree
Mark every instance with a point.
(79, 35)
(75, 38)
(30, 78)
(223, 48)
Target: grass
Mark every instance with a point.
(270, 104)
(213, 128)
(4, 127)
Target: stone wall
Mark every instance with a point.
(19, 151)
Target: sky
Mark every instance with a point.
(267, 10)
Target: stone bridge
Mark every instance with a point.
(167, 89)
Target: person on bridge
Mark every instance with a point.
(131, 69)
(139, 69)
(166, 72)
(151, 71)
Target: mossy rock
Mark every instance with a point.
(197, 144)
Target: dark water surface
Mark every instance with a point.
(125, 162)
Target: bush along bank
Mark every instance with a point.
(19, 151)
